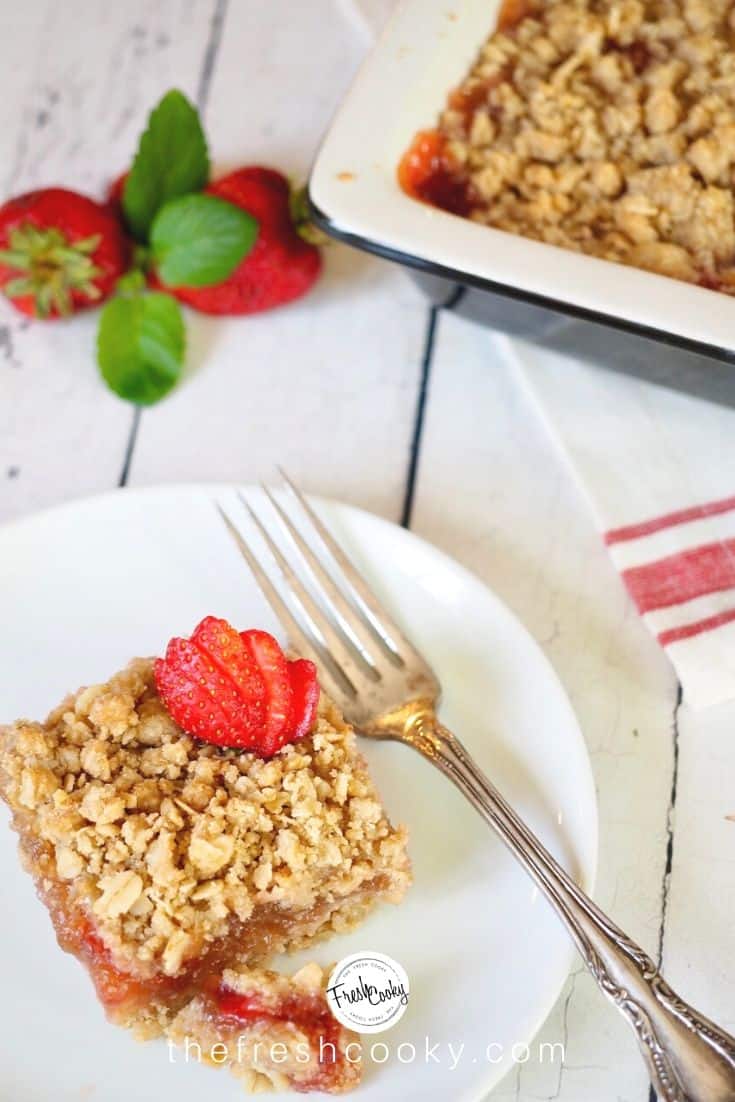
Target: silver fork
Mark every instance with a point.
(387, 690)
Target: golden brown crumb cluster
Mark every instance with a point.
(271, 988)
(164, 839)
(609, 128)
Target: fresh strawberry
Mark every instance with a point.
(280, 267)
(305, 688)
(59, 252)
(237, 690)
(115, 195)
(187, 683)
(279, 695)
(241, 688)
(212, 686)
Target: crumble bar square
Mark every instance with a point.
(164, 860)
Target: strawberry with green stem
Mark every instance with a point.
(233, 247)
(60, 252)
(281, 266)
(188, 237)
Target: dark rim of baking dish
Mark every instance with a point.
(466, 279)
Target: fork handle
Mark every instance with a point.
(689, 1058)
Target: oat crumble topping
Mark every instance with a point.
(607, 128)
(163, 839)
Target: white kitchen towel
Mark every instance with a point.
(659, 470)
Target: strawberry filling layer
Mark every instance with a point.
(123, 991)
(117, 989)
(427, 172)
(308, 1013)
(124, 994)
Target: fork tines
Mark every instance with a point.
(336, 620)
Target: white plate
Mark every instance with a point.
(88, 585)
(425, 51)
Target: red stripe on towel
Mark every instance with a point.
(686, 631)
(682, 577)
(669, 520)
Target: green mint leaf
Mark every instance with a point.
(140, 346)
(199, 240)
(171, 160)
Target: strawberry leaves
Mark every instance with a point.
(190, 239)
(140, 345)
(198, 240)
(172, 160)
(163, 226)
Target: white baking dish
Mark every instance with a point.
(424, 52)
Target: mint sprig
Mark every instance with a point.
(140, 346)
(189, 239)
(172, 160)
(198, 240)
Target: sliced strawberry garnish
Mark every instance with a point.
(187, 687)
(237, 689)
(240, 672)
(212, 687)
(305, 688)
(273, 667)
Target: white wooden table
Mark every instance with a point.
(367, 396)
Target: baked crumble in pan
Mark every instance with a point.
(606, 128)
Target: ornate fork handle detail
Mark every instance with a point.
(688, 1057)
